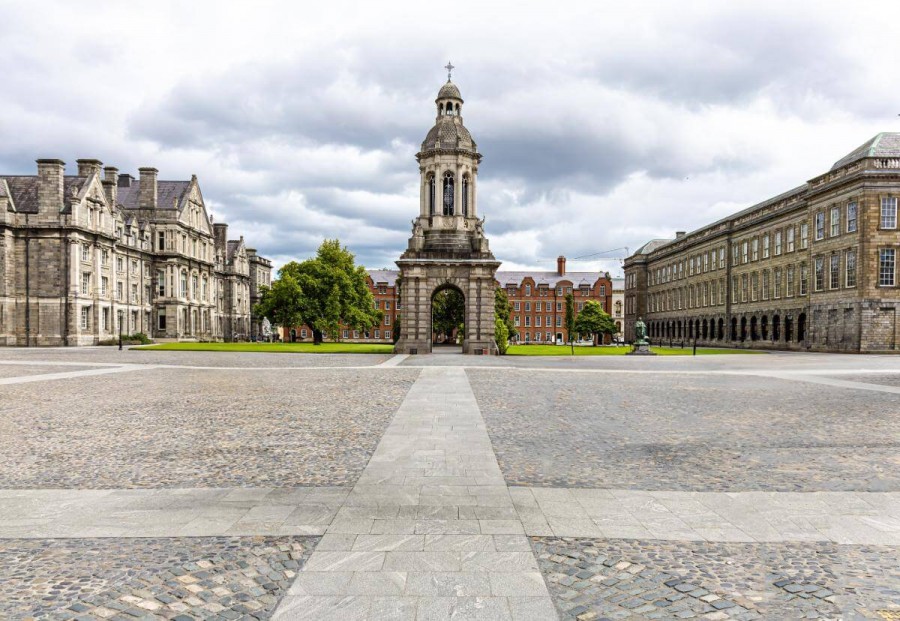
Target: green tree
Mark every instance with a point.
(570, 320)
(501, 336)
(323, 293)
(593, 319)
(448, 312)
(503, 312)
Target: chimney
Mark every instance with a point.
(86, 168)
(147, 191)
(560, 265)
(220, 234)
(110, 187)
(125, 180)
(51, 179)
(679, 234)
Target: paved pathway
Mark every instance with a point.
(431, 531)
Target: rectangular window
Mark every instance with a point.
(777, 243)
(527, 289)
(161, 319)
(754, 249)
(789, 285)
(804, 278)
(777, 283)
(346, 334)
(516, 306)
(85, 317)
(888, 213)
(517, 320)
(559, 291)
(804, 235)
(377, 334)
(835, 221)
(734, 289)
(85, 253)
(735, 258)
(766, 246)
(744, 253)
(104, 257)
(303, 333)
(558, 321)
(722, 258)
(602, 290)
(104, 286)
(356, 334)
(835, 272)
(850, 269)
(161, 282)
(134, 294)
(765, 285)
(387, 305)
(886, 267)
(820, 273)
(744, 287)
(537, 321)
(527, 307)
(86, 283)
(527, 321)
(851, 217)
(104, 318)
(790, 239)
(754, 286)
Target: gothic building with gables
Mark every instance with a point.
(85, 256)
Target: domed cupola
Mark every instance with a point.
(448, 132)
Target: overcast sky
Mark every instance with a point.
(602, 125)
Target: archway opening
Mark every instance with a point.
(448, 316)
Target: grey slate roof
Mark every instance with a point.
(388, 276)
(166, 194)
(652, 245)
(24, 193)
(885, 144)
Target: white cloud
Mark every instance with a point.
(602, 125)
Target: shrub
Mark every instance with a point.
(501, 335)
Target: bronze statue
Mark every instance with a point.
(640, 332)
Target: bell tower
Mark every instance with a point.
(448, 247)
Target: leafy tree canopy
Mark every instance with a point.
(503, 312)
(323, 293)
(448, 311)
(570, 320)
(594, 320)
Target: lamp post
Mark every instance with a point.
(120, 330)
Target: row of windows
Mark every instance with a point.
(376, 334)
(771, 244)
(544, 291)
(106, 324)
(537, 321)
(448, 195)
(711, 293)
(696, 264)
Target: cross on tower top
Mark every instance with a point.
(449, 67)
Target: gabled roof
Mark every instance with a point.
(885, 144)
(167, 193)
(231, 248)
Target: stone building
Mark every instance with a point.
(85, 256)
(448, 248)
(260, 275)
(814, 268)
(618, 307)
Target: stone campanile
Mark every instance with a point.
(448, 248)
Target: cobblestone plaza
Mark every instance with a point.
(195, 485)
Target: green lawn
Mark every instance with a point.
(288, 348)
(562, 350)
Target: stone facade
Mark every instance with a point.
(448, 248)
(813, 268)
(84, 257)
(260, 275)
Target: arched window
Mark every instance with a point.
(431, 189)
(465, 195)
(441, 109)
(448, 194)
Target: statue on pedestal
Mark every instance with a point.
(641, 344)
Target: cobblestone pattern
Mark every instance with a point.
(884, 379)
(688, 432)
(188, 428)
(8, 370)
(594, 579)
(112, 354)
(124, 579)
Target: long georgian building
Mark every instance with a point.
(814, 268)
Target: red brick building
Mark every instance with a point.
(537, 300)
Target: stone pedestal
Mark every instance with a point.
(641, 349)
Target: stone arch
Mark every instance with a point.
(788, 328)
(734, 335)
(754, 328)
(705, 329)
(801, 327)
(776, 328)
(743, 329)
(764, 328)
(446, 286)
(720, 334)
